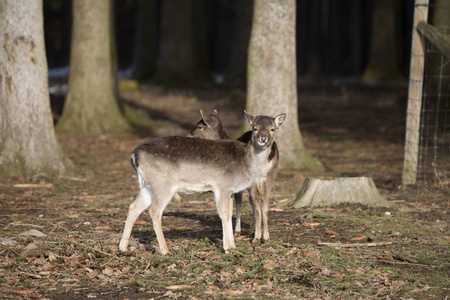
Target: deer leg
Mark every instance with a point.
(238, 202)
(224, 205)
(143, 200)
(256, 205)
(162, 198)
(265, 211)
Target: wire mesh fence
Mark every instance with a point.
(427, 144)
(434, 140)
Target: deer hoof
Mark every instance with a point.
(256, 241)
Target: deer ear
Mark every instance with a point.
(205, 117)
(250, 118)
(279, 120)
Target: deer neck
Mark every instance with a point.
(256, 160)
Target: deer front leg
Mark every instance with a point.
(265, 211)
(142, 202)
(238, 202)
(224, 205)
(255, 201)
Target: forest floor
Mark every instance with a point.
(59, 239)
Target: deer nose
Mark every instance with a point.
(263, 139)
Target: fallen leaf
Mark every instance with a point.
(276, 209)
(359, 238)
(419, 289)
(213, 287)
(140, 222)
(31, 246)
(22, 292)
(108, 271)
(126, 269)
(35, 296)
(33, 232)
(52, 256)
(312, 225)
(101, 227)
(240, 271)
(270, 265)
(16, 223)
(179, 287)
(235, 293)
(330, 232)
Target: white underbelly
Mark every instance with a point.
(189, 188)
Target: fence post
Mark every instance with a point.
(411, 156)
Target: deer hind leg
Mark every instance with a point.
(142, 202)
(162, 198)
(238, 202)
(255, 201)
(265, 189)
(224, 205)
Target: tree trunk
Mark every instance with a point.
(145, 40)
(272, 80)
(383, 63)
(177, 65)
(237, 63)
(28, 144)
(90, 104)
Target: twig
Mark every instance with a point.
(30, 225)
(403, 263)
(341, 245)
(32, 185)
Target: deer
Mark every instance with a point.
(211, 127)
(171, 164)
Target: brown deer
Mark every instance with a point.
(167, 165)
(211, 127)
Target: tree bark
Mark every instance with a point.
(28, 144)
(90, 104)
(145, 40)
(383, 62)
(237, 62)
(177, 63)
(272, 80)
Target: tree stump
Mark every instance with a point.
(319, 192)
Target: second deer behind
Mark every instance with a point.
(211, 127)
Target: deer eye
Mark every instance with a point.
(272, 129)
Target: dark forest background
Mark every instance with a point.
(333, 37)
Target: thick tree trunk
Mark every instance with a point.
(28, 145)
(90, 104)
(145, 40)
(272, 80)
(237, 63)
(383, 62)
(177, 65)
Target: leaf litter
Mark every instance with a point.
(75, 254)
